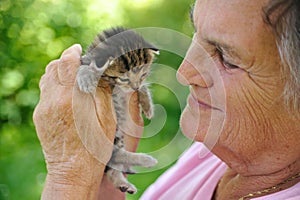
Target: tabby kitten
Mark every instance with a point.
(123, 58)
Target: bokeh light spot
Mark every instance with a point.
(74, 20)
(54, 48)
(46, 34)
(11, 81)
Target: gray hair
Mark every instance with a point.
(284, 18)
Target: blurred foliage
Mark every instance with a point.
(34, 32)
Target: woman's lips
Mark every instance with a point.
(194, 103)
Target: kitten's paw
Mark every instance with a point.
(127, 187)
(148, 113)
(128, 170)
(87, 88)
(87, 79)
(119, 181)
(148, 161)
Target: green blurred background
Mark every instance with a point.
(34, 32)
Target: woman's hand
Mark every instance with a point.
(76, 131)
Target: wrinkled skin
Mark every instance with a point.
(234, 68)
(73, 170)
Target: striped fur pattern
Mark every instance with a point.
(122, 58)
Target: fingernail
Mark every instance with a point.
(78, 46)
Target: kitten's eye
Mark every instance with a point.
(144, 75)
(124, 80)
(114, 77)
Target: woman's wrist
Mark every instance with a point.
(64, 187)
(67, 180)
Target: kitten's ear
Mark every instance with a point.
(155, 50)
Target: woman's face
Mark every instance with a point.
(234, 73)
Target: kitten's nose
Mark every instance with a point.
(135, 88)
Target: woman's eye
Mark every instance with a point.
(229, 65)
(224, 62)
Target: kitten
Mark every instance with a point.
(123, 58)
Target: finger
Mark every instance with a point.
(135, 123)
(68, 65)
(50, 78)
(74, 48)
(94, 122)
(104, 109)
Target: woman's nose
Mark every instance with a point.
(184, 73)
(193, 72)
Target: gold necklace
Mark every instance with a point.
(270, 189)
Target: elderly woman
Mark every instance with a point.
(243, 69)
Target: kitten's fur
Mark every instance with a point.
(123, 58)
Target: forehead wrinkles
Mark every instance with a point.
(233, 23)
(217, 15)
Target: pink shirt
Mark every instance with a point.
(193, 177)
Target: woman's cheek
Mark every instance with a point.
(189, 123)
(199, 125)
